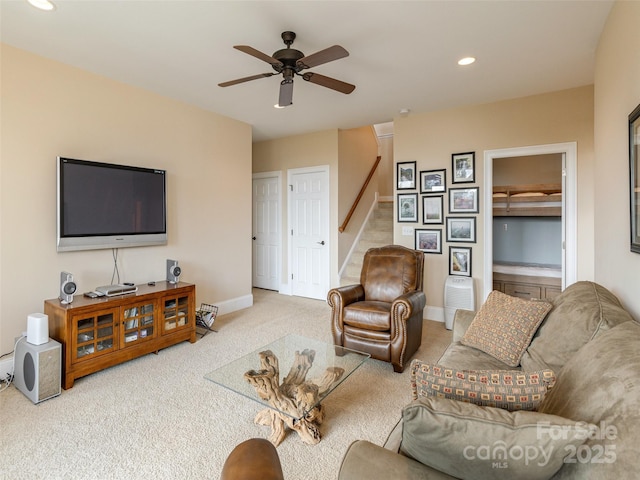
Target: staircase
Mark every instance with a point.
(378, 232)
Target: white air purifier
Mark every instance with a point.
(458, 293)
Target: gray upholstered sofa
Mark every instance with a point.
(588, 422)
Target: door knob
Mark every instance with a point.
(321, 243)
(253, 238)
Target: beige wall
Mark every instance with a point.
(387, 167)
(617, 93)
(50, 109)
(299, 151)
(431, 138)
(358, 149)
(527, 169)
(350, 155)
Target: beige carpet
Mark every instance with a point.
(156, 417)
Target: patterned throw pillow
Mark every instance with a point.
(508, 389)
(505, 325)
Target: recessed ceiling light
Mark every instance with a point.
(43, 4)
(466, 61)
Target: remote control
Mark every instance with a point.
(93, 294)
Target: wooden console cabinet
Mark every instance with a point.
(102, 332)
(527, 287)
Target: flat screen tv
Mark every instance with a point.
(103, 205)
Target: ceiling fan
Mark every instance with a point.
(290, 62)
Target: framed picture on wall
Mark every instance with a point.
(407, 207)
(406, 176)
(634, 175)
(463, 166)
(428, 241)
(432, 207)
(463, 200)
(461, 229)
(433, 181)
(460, 261)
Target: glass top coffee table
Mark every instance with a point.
(290, 376)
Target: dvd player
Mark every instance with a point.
(114, 290)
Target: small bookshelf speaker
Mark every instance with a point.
(37, 370)
(173, 271)
(67, 288)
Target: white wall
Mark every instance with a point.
(617, 93)
(50, 109)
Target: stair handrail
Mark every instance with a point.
(342, 227)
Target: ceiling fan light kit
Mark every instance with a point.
(466, 61)
(289, 62)
(42, 4)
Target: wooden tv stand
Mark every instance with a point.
(102, 332)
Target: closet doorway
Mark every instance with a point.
(267, 230)
(533, 218)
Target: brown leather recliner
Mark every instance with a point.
(382, 315)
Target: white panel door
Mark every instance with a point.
(266, 232)
(309, 230)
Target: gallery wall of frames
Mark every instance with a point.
(424, 196)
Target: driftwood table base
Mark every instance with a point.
(296, 396)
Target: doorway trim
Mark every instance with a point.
(278, 176)
(323, 170)
(569, 207)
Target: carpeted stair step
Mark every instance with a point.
(377, 233)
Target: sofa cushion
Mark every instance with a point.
(469, 358)
(508, 389)
(357, 464)
(600, 384)
(504, 326)
(370, 315)
(468, 441)
(580, 313)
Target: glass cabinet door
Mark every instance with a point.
(137, 323)
(175, 313)
(93, 334)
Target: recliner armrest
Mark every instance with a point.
(461, 322)
(342, 296)
(412, 302)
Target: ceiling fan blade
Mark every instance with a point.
(329, 82)
(286, 93)
(258, 54)
(245, 79)
(323, 56)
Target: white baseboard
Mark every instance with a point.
(434, 313)
(227, 306)
(234, 304)
(431, 313)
